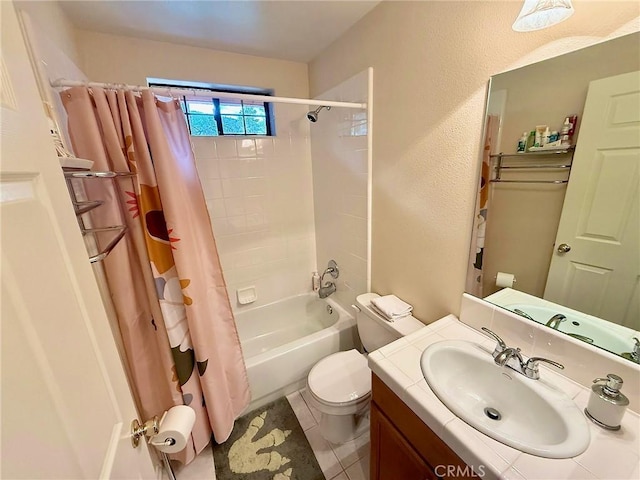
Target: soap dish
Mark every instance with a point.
(246, 295)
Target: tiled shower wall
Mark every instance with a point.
(339, 147)
(259, 196)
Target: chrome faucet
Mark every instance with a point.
(511, 357)
(329, 287)
(523, 314)
(634, 356)
(554, 322)
(531, 367)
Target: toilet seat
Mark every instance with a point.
(340, 380)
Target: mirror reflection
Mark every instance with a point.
(556, 234)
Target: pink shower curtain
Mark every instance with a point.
(475, 270)
(165, 280)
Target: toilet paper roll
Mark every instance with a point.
(175, 429)
(505, 279)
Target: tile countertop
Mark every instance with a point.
(610, 455)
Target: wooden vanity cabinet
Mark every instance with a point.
(403, 447)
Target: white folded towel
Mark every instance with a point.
(391, 307)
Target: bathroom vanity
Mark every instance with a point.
(414, 435)
(402, 446)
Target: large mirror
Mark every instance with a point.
(556, 235)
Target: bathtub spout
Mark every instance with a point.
(327, 290)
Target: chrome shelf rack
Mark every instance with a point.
(84, 206)
(500, 166)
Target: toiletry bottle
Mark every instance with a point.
(531, 140)
(538, 139)
(573, 120)
(540, 129)
(545, 137)
(315, 281)
(564, 133)
(607, 405)
(555, 136)
(522, 143)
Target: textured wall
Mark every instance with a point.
(432, 61)
(114, 58)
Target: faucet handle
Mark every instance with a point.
(501, 343)
(531, 370)
(635, 355)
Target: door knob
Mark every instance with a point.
(564, 248)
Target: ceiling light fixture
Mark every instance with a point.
(539, 14)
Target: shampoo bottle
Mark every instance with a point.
(315, 281)
(538, 139)
(531, 140)
(540, 129)
(522, 143)
(546, 136)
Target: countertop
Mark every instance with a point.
(610, 455)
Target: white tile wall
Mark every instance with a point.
(259, 196)
(340, 176)
(270, 205)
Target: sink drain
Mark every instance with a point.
(492, 413)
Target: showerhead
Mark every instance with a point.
(313, 116)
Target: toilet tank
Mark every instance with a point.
(375, 331)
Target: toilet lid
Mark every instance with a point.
(341, 377)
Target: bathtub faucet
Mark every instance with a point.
(329, 287)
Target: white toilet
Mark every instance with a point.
(340, 385)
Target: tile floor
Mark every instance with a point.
(349, 461)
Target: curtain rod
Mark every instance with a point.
(197, 92)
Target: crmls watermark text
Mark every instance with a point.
(453, 471)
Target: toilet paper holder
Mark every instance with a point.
(149, 428)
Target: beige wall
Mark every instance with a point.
(546, 92)
(523, 218)
(55, 24)
(431, 64)
(113, 58)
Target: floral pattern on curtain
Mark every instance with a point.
(166, 280)
(475, 273)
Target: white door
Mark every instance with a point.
(66, 407)
(600, 273)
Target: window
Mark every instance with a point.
(223, 116)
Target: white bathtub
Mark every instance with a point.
(283, 340)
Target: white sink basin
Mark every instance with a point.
(534, 417)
